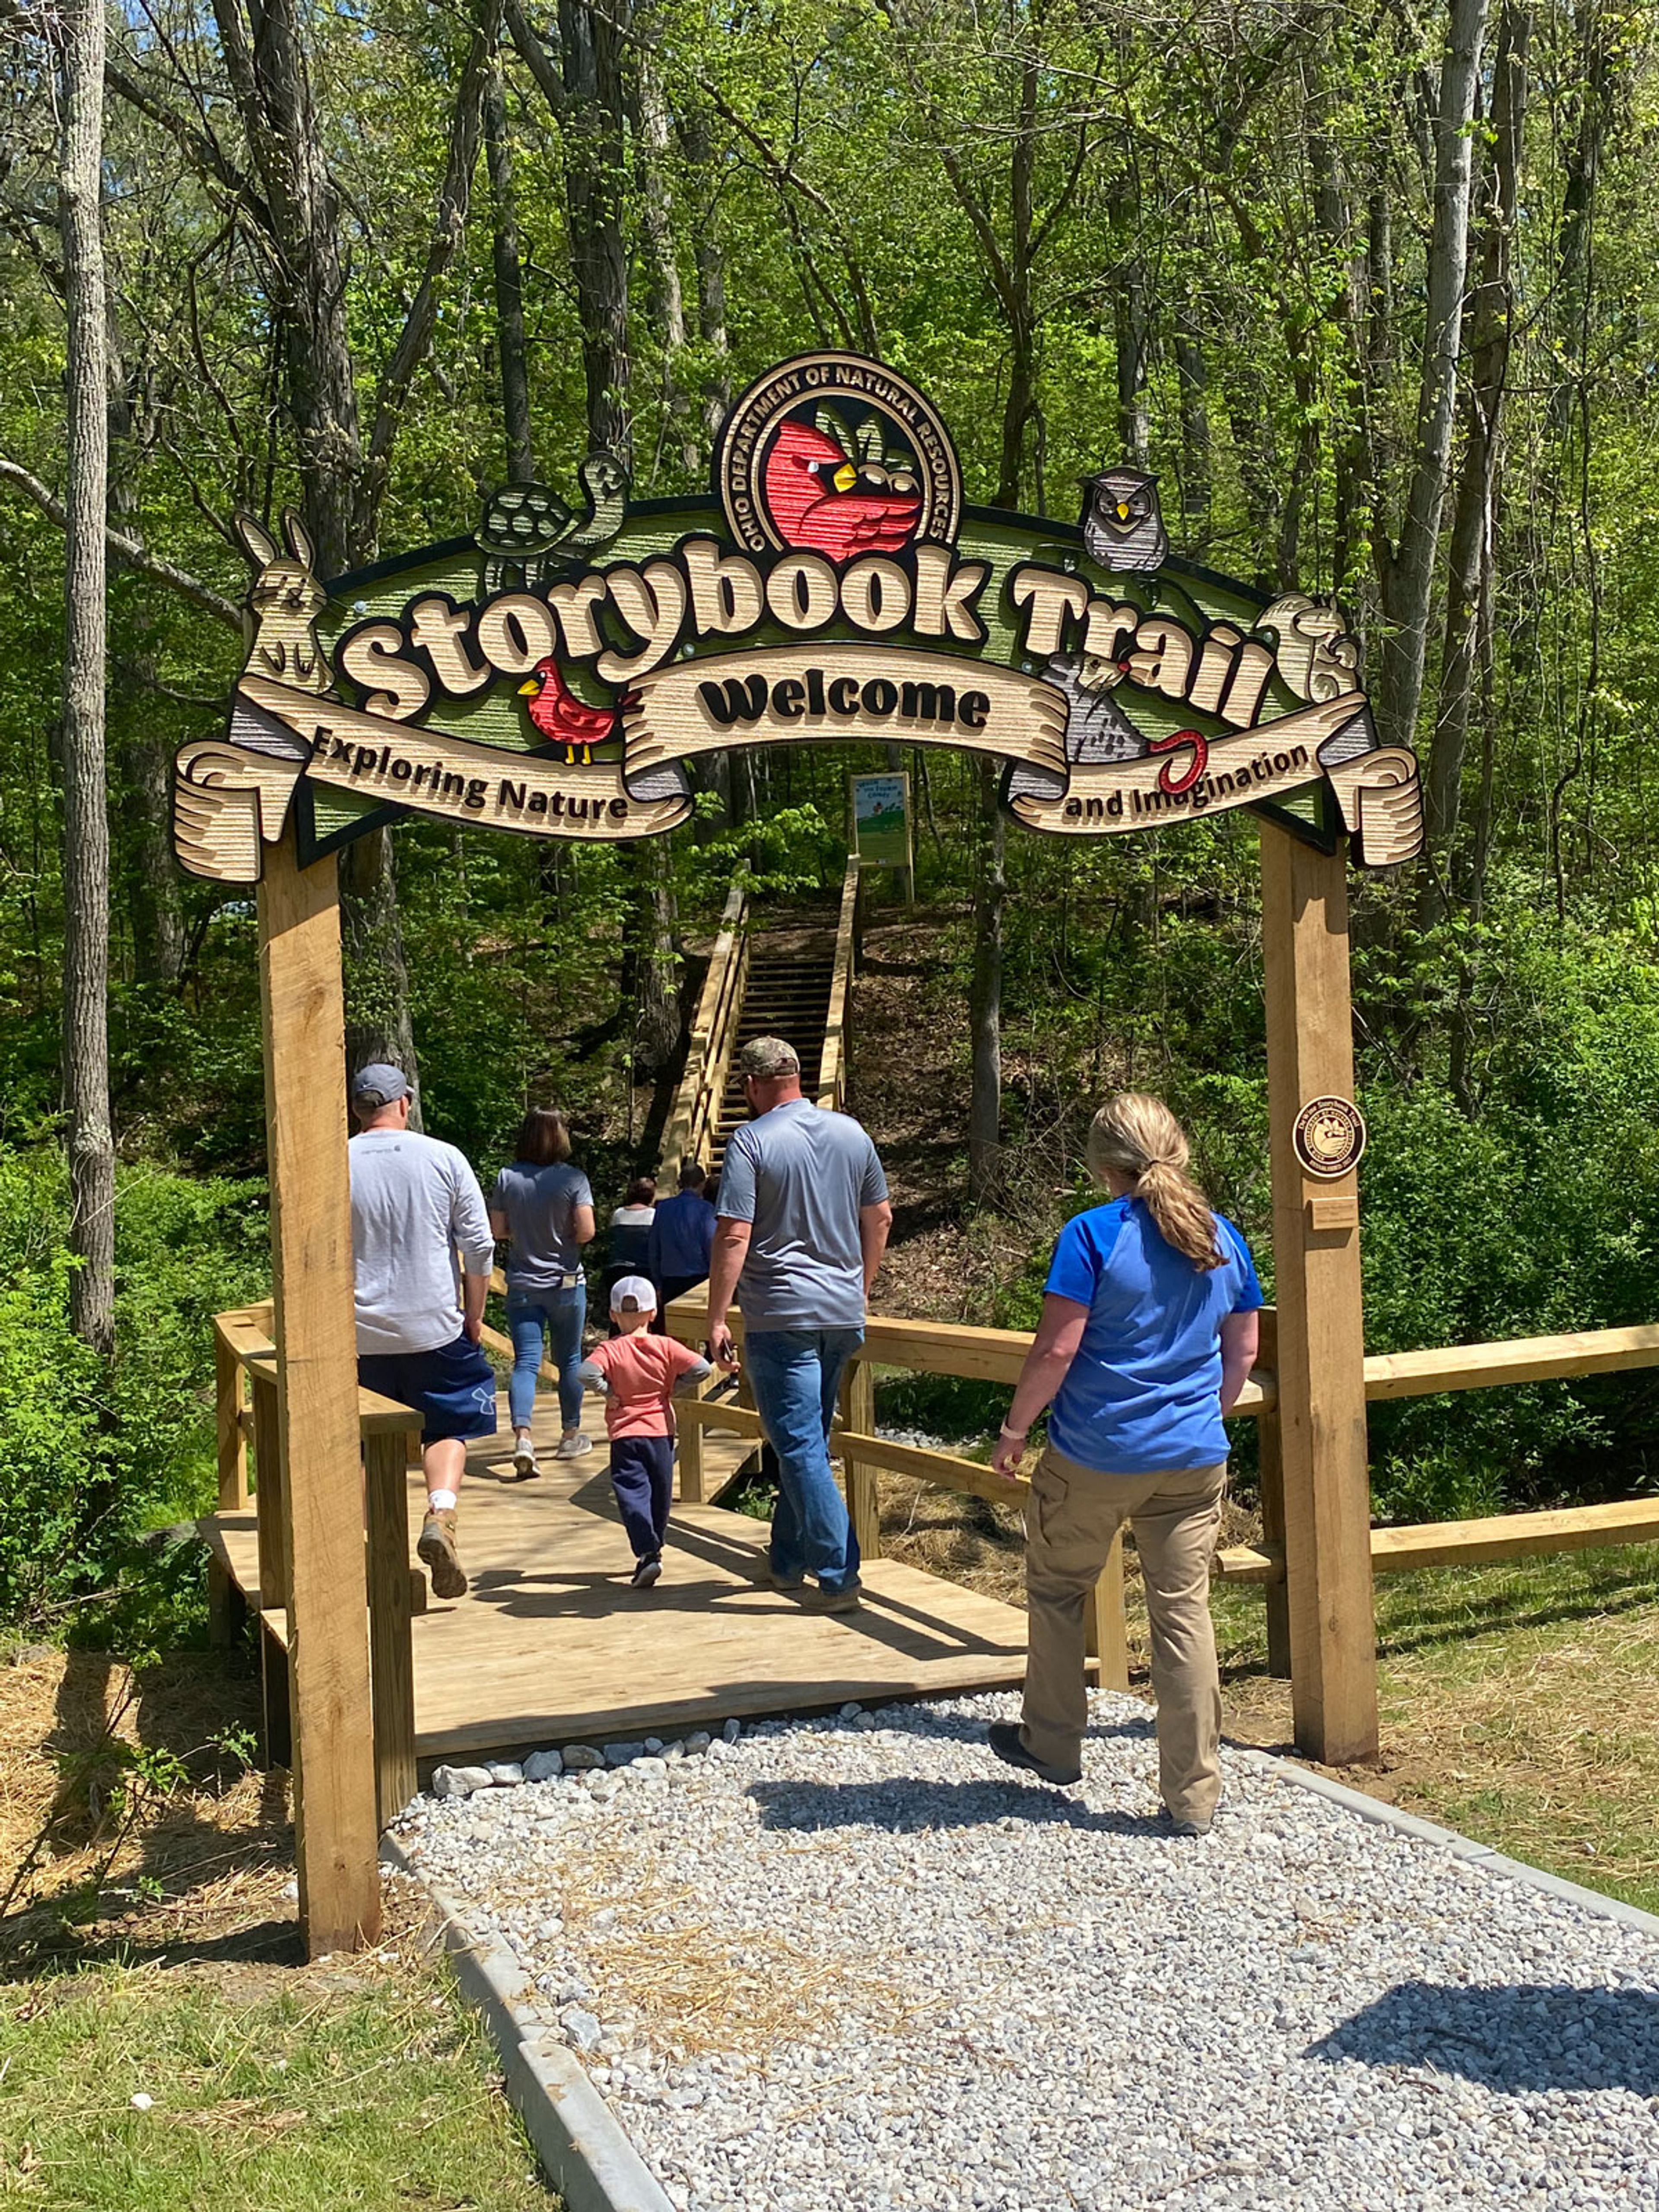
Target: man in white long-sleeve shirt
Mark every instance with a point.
(414, 1202)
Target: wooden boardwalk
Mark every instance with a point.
(551, 1646)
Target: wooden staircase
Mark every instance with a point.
(786, 996)
(794, 982)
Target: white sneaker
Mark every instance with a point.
(524, 1466)
(573, 1444)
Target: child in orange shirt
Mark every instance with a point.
(638, 1375)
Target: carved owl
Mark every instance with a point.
(1122, 527)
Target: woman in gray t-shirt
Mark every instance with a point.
(543, 1207)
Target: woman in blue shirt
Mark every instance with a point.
(1148, 1328)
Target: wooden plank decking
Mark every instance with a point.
(551, 1646)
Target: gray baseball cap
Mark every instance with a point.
(379, 1085)
(768, 1058)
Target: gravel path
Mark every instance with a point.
(851, 1965)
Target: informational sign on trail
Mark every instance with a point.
(881, 820)
(569, 674)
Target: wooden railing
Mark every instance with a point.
(243, 1353)
(837, 1027)
(708, 1055)
(993, 1355)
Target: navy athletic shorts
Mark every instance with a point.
(452, 1387)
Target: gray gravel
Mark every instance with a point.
(855, 1963)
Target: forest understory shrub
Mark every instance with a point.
(96, 1456)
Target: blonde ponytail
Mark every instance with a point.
(1142, 1140)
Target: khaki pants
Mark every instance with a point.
(1072, 1514)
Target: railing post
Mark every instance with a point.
(1106, 1630)
(1272, 1483)
(272, 1521)
(858, 1413)
(692, 1491)
(227, 1407)
(270, 1528)
(391, 1653)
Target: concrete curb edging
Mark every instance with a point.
(1427, 1831)
(578, 2140)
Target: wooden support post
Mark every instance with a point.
(392, 1659)
(1105, 1629)
(233, 1443)
(1272, 1464)
(1321, 1339)
(336, 1832)
(271, 1525)
(688, 1451)
(858, 1413)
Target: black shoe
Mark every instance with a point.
(1189, 1831)
(1004, 1739)
(646, 1572)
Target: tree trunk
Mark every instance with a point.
(86, 819)
(156, 909)
(591, 42)
(379, 1025)
(666, 298)
(656, 1009)
(711, 277)
(509, 286)
(1406, 571)
(1473, 555)
(985, 996)
(1192, 384)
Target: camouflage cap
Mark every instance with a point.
(767, 1058)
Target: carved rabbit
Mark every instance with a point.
(286, 600)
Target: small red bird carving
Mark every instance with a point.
(819, 498)
(564, 719)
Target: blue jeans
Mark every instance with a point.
(561, 1314)
(796, 1373)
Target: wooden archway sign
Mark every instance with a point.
(554, 673)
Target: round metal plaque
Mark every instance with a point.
(1329, 1137)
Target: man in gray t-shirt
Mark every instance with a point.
(804, 1220)
(415, 1201)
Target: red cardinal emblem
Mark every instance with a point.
(819, 497)
(563, 719)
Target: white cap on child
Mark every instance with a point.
(633, 1294)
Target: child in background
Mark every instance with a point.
(638, 1375)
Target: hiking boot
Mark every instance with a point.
(831, 1600)
(1004, 1739)
(573, 1444)
(1188, 1830)
(645, 1573)
(789, 1585)
(437, 1548)
(525, 1466)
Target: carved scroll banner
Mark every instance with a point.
(226, 806)
(803, 694)
(1381, 796)
(277, 730)
(1379, 791)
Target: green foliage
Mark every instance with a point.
(96, 1457)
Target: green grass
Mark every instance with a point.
(1516, 1703)
(302, 2093)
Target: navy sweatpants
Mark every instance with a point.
(643, 1476)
